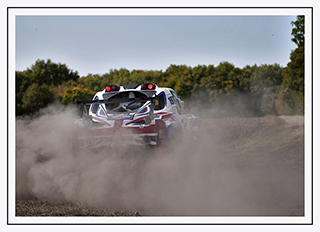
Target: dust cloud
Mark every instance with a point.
(193, 178)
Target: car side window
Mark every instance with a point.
(176, 100)
(159, 102)
(94, 108)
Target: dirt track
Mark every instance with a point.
(268, 154)
(239, 166)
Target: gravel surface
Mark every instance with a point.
(238, 167)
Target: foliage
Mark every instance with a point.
(298, 31)
(250, 91)
(93, 82)
(288, 102)
(77, 92)
(44, 76)
(36, 97)
(294, 72)
(49, 73)
(254, 89)
(264, 85)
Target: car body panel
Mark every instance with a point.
(135, 116)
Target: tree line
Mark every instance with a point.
(251, 91)
(259, 90)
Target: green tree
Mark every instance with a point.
(22, 82)
(264, 87)
(50, 73)
(77, 92)
(294, 72)
(36, 97)
(266, 76)
(198, 73)
(298, 31)
(180, 79)
(138, 76)
(157, 77)
(221, 80)
(204, 92)
(93, 82)
(119, 77)
(288, 103)
(245, 78)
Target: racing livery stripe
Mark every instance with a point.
(100, 120)
(136, 120)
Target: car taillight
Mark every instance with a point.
(112, 88)
(144, 86)
(161, 131)
(148, 86)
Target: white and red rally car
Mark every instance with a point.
(140, 114)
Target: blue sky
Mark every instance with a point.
(96, 44)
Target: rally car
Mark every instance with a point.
(139, 114)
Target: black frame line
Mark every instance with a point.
(160, 224)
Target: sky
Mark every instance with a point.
(95, 44)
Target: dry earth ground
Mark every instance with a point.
(239, 166)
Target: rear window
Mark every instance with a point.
(126, 106)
